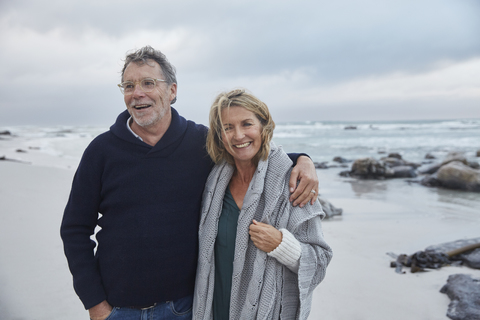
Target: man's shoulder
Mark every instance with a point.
(197, 126)
(99, 142)
(197, 132)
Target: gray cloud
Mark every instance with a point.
(71, 51)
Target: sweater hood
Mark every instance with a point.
(174, 133)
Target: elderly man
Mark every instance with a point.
(141, 182)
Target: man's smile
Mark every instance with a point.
(142, 106)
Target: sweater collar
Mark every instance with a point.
(177, 128)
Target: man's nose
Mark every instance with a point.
(138, 91)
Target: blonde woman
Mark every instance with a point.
(260, 257)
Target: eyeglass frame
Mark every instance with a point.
(135, 84)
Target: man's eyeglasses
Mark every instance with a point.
(146, 84)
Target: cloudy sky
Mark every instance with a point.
(318, 60)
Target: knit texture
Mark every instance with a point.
(288, 251)
(262, 288)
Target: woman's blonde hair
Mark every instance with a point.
(238, 98)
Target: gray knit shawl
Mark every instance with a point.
(262, 288)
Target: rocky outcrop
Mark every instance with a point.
(404, 172)
(321, 165)
(370, 168)
(430, 169)
(464, 293)
(341, 160)
(385, 168)
(395, 155)
(329, 209)
(454, 156)
(469, 258)
(457, 175)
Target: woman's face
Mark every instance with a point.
(242, 135)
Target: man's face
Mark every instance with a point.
(148, 108)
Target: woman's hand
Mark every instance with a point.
(264, 236)
(307, 189)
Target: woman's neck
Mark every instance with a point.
(244, 172)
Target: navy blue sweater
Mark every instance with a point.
(149, 201)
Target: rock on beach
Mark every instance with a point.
(457, 175)
(464, 292)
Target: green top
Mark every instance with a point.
(224, 254)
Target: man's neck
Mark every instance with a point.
(152, 134)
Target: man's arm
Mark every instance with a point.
(78, 224)
(303, 181)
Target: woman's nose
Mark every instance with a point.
(238, 134)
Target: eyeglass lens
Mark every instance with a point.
(147, 85)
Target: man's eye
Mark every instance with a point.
(128, 85)
(148, 83)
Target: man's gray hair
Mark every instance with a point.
(141, 56)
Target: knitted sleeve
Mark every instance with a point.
(78, 224)
(288, 251)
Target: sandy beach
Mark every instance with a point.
(379, 217)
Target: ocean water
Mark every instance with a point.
(321, 140)
(412, 139)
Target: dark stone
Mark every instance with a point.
(429, 156)
(457, 175)
(404, 172)
(454, 156)
(5, 133)
(453, 245)
(320, 165)
(341, 160)
(345, 174)
(430, 181)
(395, 155)
(20, 151)
(350, 128)
(430, 169)
(469, 258)
(393, 162)
(478, 153)
(329, 209)
(4, 158)
(369, 168)
(464, 293)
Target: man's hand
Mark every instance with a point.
(304, 172)
(100, 311)
(264, 236)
